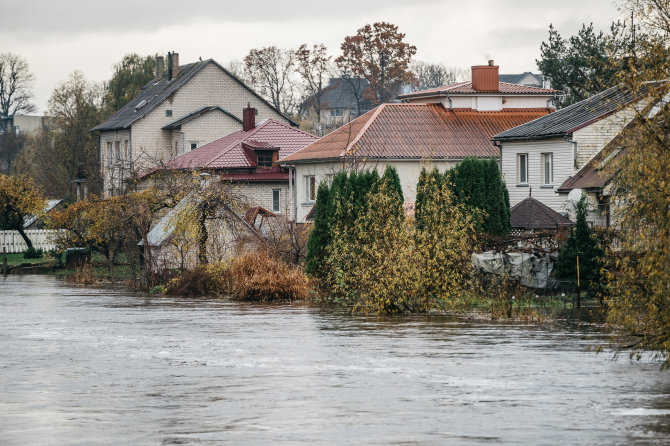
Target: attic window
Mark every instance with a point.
(142, 103)
(264, 158)
(168, 113)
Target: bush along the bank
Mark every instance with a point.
(378, 260)
(258, 276)
(582, 243)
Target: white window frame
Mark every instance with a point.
(276, 203)
(310, 188)
(117, 150)
(110, 151)
(547, 168)
(519, 171)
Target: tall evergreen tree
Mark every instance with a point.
(420, 202)
(391, 175)
(319, 236)
(583, 243)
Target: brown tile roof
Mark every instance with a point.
(416, 131)
(531, 214)
(466, 88)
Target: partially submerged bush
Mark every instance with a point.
(204, 280)
(257, 276)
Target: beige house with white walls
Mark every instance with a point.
(442, 126)
(182, 108)
(541, 155)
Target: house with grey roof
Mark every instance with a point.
(545, 153)
(182, 108)
(341, 101)
(526, 78)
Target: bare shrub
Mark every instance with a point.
(257, 276)
(201, 281)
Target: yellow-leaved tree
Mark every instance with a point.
(19, 197)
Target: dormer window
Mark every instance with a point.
(264, 158)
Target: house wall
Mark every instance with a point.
(594, 137)
(486, 102)
(211, 86)
(408, 171)
(207, 128)
(563, 161)
(260, 194)
(114, 170)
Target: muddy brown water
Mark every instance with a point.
(85, 366)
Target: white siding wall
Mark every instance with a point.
(408, 171)
(593, 138)
(207, 128)
(470, 101)
(562, 156)
(260, 194)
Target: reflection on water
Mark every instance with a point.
(90, 366)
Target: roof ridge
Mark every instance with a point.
(362, 131)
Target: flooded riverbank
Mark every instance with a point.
(95, 366)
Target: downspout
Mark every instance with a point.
(290, 193)
(295, 195)
(548, 101)
(451, 104)
(183, 143)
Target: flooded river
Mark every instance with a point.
(83, 366)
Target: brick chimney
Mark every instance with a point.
(248, 118)
(485, 77)
(160, 67)
(173, 65)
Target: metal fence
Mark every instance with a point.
(12, 242)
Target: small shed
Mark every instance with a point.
(531, 215)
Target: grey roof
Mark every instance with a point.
(30, 219)
(516, 78)
(156, 91)
(174, 125)
(340, 94)
(569, 119)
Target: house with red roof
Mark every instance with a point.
(441, 126)
(184, 107)
(248, 158)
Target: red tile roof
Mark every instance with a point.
(416, 131)
(228, 152)
(466, 88)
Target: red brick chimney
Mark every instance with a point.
(485, 77)
(248, 118)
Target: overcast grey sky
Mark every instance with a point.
(60, 36)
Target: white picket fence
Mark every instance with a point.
(12, 241)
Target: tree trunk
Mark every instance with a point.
(25, 238)
(202, 241)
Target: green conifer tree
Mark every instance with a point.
(583, 243)
(320, 235)
(391, 175)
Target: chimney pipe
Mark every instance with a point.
(485, 77)
(248, 118)
(160, 67)
(173, 65)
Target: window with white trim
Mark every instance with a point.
(117, 150)
(310, 187)
(522, 168)
(110, 152)
(275, 200)
(547, 169)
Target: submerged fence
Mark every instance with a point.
(11, 241)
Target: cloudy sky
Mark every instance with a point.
(60, 36)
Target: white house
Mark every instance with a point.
(443, 126)
(543, 154)
(182, 108)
